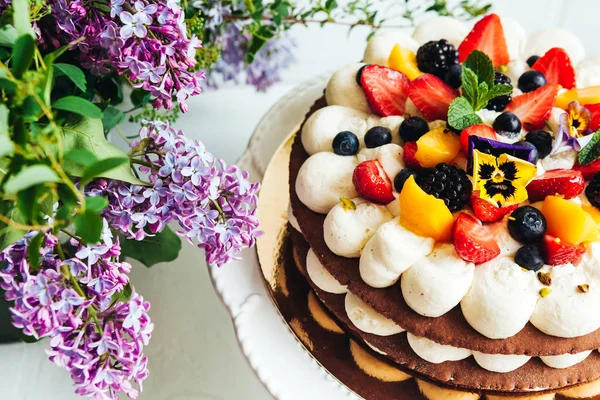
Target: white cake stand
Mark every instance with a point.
(280, 361)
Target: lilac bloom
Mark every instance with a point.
(41, 289)
(133, 317)
(130, 195)
(144, 11)
(116, 6)
(196, 170)
(151, 73)
(133, 25)
(156, 192)
(92, 253)
(68, 300)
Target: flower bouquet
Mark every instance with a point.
(73, 205)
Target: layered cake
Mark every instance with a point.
(445, 202)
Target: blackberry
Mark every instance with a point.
(436, 57)
(499, 103)
(448, 183)
(592, 191)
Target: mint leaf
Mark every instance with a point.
(500, 90)
(461, 114)
(469, 85)
(483, 97)
(481, 65)
(591, 151)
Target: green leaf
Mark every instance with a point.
(461, 114)
(22, 55)
(482, 96)
(9, 234)
(112, 117)
(481, 65)
(139, 97)
(469, 86)
(79, 106)
(81, 157)
(87, 134)
(591, 151)
(6, 145)
(26, 201)
(162, 247)
(102, 167)
(30, 176)
(8, 36)
(500, 90)
(21, 17)
(33, 251)
(75, 74)
(88, 226)
(96, 203)
(122, 296)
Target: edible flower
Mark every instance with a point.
(574, 128)
(501, 179)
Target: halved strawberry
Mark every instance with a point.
(488, 212)
(372, 183)
(410, 148)
(473, 241)
(385, 90)
(431, 96)
(595, 111)
(534, 108)
(559, 252)
(565, 182)
(481, 130)
(589, 170)
(487, 36)
(556, 67)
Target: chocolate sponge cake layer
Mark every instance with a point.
(450, 329)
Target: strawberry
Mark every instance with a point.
(473, 241)
(481, 130)
(487, 36)
(431, 96)
(410, 148)
(595, 111)
(566, 182)
(559, 252)
(488, 212)
(385, 90)
(371, 182)
(533, 108)
(556, 67)
(588, 171)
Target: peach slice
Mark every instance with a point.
(405, 61)
(587, 95)
(424, 214)
(568, 221)
(437, 146)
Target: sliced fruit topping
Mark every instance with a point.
(412, 128)
(423, 213)
(530, 257)
(556, 67)
(568, 221)
(385, 90)
(589, 170)
(345, 144)
(533, 108)
(473, 241)
(527, 225)
(487, 36)
(410, 149)
(565, 182)
(499, 103)
(436, 57)
(487, 211)
(371, 182)
(559, 252)
(431, 96)
(585, 96)
(437, 146)
(447, 182)
(542, 141)
(402, 177)
(479, 130)
(594, 110)
(405, 61)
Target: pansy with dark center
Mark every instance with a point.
(501, 179)
(574, 128)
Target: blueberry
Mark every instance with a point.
(527, 225)
(454, 76)
(359, 74)
(412, 128)
(402, 177)
(345, 144)
(530, 257)
(542, 140)
(531, 60)
(531, 80)
(507, 124)
(378, 136)
(534, 155)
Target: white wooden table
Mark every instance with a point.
(193, 353)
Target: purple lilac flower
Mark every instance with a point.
(97, 340)
(213, 203)
(145, 40)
